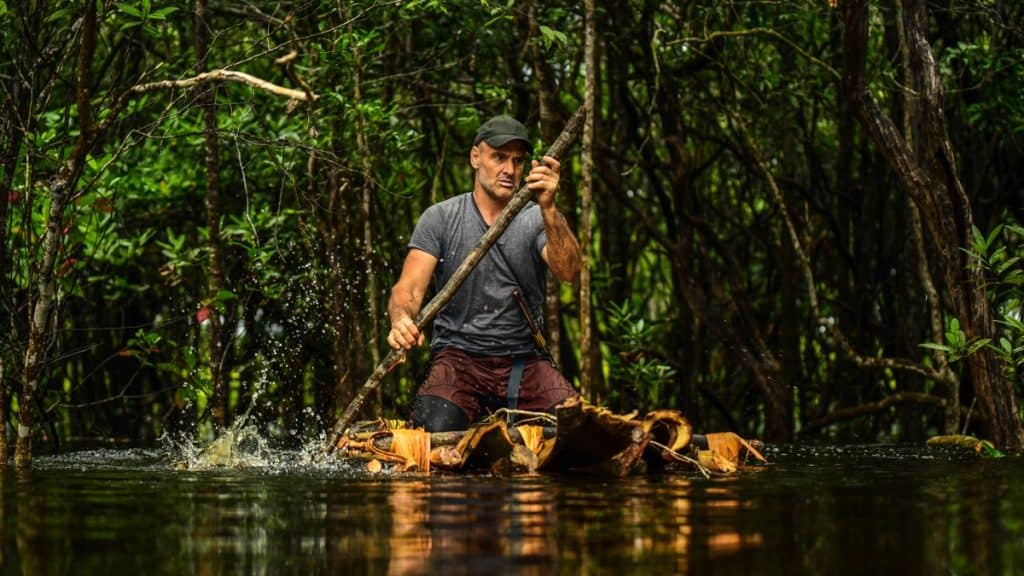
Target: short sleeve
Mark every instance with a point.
(541, 241)
(428, 235)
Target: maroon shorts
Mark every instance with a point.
(479, 384)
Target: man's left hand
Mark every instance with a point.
(543, 181)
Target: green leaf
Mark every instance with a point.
(163, 13)
(1006, 345)
(551, 36)
(57, 15)
(956, 339)
(990, 451)
(993, 235)
(1013, 323)
(1007, 265)
(979, 239)
(130, 10)
(977, 345)
(224, 296)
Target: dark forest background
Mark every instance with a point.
(802, 221)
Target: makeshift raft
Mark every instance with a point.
(579, 437)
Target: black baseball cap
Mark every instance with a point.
(501, 130)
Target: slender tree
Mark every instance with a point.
(366, 157)
(587, 368)
(60, 191)
(216, 282)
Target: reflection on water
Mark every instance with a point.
(823, 511)
(449, 525)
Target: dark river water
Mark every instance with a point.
(823, 510)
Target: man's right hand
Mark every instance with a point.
(404, 334)
(406, 298)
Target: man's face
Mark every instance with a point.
(499, 170)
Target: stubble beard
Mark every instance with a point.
(498, 193)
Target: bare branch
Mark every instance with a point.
(872, 407)
(228, 75)
(758, 32)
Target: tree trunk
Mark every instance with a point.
(910, 109)
(365, 157)
(552, 115)
(10, 137)
(335, 229)
(3, 411)
(39, 328)
(587, 381)
(792, 324)
(763, 370)
(215, 272)
(42, 305)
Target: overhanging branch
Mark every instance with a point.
(873, 407)
(228, 76)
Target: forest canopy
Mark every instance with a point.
(799, 219)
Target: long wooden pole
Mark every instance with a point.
(427, 314)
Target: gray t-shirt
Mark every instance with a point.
(482, 317)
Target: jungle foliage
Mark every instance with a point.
(806, 217)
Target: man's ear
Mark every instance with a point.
(474, 157)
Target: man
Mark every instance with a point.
(483, 354)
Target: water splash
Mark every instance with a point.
(244, 446)
(238, 447)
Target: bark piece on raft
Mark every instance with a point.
(409, 449)
(594, 439)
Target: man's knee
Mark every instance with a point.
(435, 414)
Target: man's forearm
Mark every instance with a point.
(403, 306)
(563, 249)
(402, 309)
